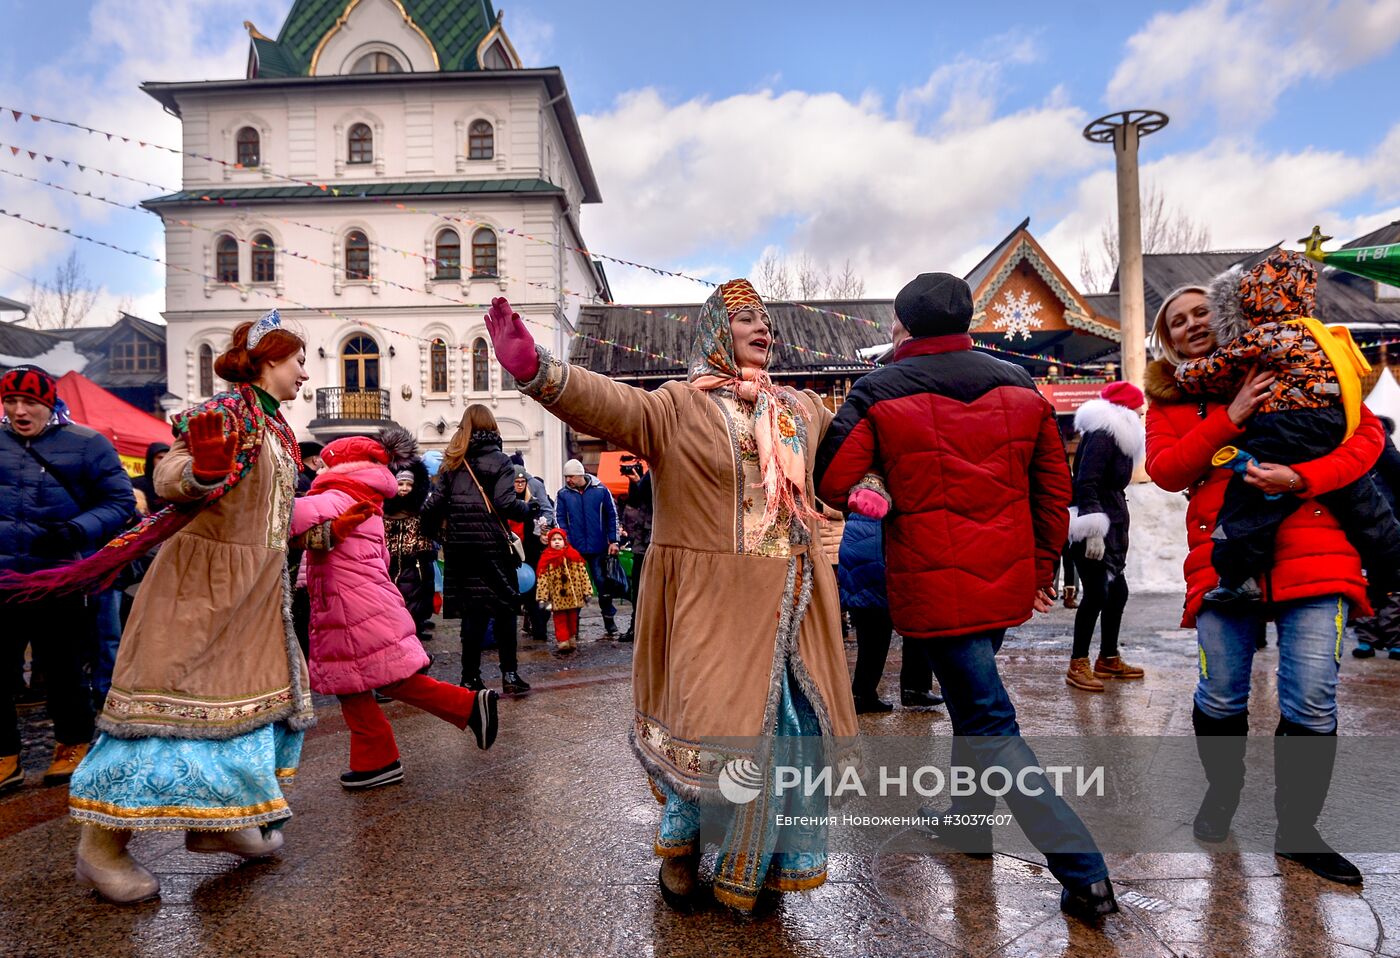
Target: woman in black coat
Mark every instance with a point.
(1112, 446)
(479, 574)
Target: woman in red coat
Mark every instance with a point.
(1314, 584)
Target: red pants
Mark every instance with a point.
(565, 625)
(372, 744)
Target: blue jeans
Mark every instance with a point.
(1309, 657)
(984, 719)
(109, 635)
(595, 572)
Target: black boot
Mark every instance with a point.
(1303, 764)
(609, 626)
(1221, 745)
(1089, 903)
(513, 684)
(473, 682)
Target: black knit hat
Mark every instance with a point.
(934, 304)
(30, 382)
(309, 448)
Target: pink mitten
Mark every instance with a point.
(515, 347)
(868, 502)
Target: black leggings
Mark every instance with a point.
(1104, 593)
(503, 630)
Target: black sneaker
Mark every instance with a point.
(390, 774)
(484, 718)
(1089, 903)
(513, 684)
(911, 699)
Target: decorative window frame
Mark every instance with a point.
(342, 337)
(469, 390)
(342, 140)
(339, 279)
(211, 260)
(430, 278)
(461, 130)
(230, 144)
(469, 276)
(375, 46)
(216, 339)
(279, 258)
(455, 356)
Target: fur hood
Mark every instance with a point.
(1125, 425)
(411, 504)
(1223, 295)
(401, 446)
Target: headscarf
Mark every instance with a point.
(781, 455)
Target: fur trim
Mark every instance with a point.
(411, 504)
(1159, 382)
(1093, 526)
(1227, 317)
(1100, 415)
(400, 445)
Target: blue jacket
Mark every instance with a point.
(32, 501)
(589, 518)
(861, 568)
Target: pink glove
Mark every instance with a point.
(868, 502)
(515, 347)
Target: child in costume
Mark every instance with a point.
(362, 636)
(1263, 318)
(563, 585)
(411, 553)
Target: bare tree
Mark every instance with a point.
(1165, 229)
(68, 299)
(812, 279)
(773, 278)
(847, 284)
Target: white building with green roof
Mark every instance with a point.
(383, 164)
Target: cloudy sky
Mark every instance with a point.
(899, 136)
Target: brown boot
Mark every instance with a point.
(105, 866)
(680, 880)
(66, 759)
(1114, 667)
(246, 843)
(11, 775)
(1071, 597)
(1080, 677)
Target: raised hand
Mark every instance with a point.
(515, 347)
(349, 520)
(211, 451)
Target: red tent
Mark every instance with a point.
(130, 429)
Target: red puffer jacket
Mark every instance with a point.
(1312, 557)
(973, 461)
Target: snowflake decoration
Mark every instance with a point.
(1018, 315)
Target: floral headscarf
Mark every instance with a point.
(712, 366)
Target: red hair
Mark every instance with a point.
(239, 364)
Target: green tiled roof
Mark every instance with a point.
(352, 191)
(454, 27)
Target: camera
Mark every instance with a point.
(631, 468)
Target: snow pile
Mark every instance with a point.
(62, 358)
(1157, 540)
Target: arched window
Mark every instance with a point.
(481, 367)
(264, 259)
(361, 144)
(481, 141)
(377, 63)
(483, 253)
(356, 255)
(249, 147)
(437, 355)
(206, 370)
(226, 259)
(447, 251)
(359, 362)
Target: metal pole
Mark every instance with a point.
(1132, 310)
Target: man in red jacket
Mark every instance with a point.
(979, 490)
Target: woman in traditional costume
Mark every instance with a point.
(209, 697)
(738, 632)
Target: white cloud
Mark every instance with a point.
(1238, 59)
(532, 37)
(846, 178)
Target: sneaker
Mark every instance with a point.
(66, 759)
(1089, 903)
(1363, 650)
(485, 718)
(388, 775)
(1247, 591)
(11, 774)
(513, 684)
(1393, 654)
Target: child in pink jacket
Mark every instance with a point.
(362, 636)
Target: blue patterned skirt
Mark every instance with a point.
(178, 783)
(749, 858)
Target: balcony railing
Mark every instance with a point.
(337, 402)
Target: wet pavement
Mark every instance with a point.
(542, 846)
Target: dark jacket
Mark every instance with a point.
(588, 517)
(1386, 473)
(33, 501)
(1103, 467)
(973, 462)
(144, 485)
(636, 515)
(479, 570)
(861, 570)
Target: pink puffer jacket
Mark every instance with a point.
(362, 637)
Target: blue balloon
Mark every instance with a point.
(524, 578)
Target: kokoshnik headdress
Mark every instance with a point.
(271, 320)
